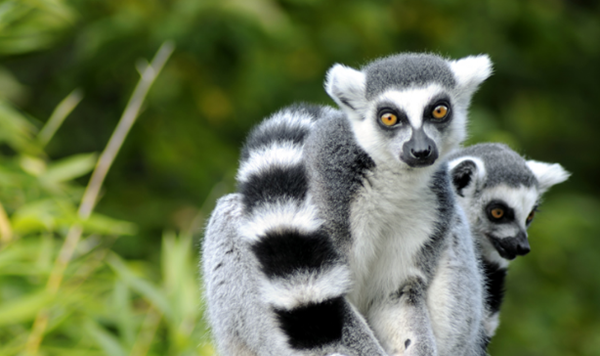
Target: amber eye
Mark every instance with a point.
(497, 213)
(389, 119)
(440, 112)
(530, 216)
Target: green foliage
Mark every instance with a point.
(132, 289)
(105, 305)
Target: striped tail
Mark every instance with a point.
(304, 277)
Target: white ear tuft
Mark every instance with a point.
(346, 86)
(548, 174)
(467, 173)
(471, 71)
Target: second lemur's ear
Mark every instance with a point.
(466, 173)
(470, 72)
(548, 174)
(346, 86)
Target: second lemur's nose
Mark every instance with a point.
(522, 244)
(523, 248)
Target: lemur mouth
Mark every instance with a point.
(504, 252)
(418, 163)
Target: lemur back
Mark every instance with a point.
(274, 283)
(345, 236)
(500, 192)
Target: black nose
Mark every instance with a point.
(511, 247)
(419, 150)
(523, 247)
(421, 153)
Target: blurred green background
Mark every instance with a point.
(132, 287)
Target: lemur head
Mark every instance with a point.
(409, 108)
(500, 192)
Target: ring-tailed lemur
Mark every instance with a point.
(348, 215)
(500, 192)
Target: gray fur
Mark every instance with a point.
(341, 170)
(503, 165)
(446, 210)
(404, 70)
(242, 323)
(500, 177)
(383, 220)
(342, 165)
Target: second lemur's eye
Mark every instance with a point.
(440, 112)
(389, 119)
(497, 213)
(530, 217)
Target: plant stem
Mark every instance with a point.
(146, 335)
(90, 196)
(5, 229)
(62, 110)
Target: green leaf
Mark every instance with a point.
(24, 308)
(98, 223)
(32, 25)
(140, 285)
(125, 320)
(16, 130)
(69, 168)
(107, 341)
(38, 215)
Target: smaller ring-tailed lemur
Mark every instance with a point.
(500, 192)
(345, 236)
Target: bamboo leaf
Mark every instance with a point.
(142, 286)
(102, 224)
(126, 324)
(108, 342)
(69, 168)
(24, 308)
(15, 129)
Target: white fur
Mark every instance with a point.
(290, 118)
(391, 218)
(279, 217)
(470, 72)
(478, 177)
(412, 101)
(278, 154)
(521, 200)
(394, 215)
(451, 307)
(383, 253)
(480, 166)
(548, 174)
(349, 82)
(307, 287)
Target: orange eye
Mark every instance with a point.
(389, 119)
(497, 213)
(440, 112)
(530, 216)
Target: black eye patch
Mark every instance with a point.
(499, 212)
(440, 100)
(384, 109)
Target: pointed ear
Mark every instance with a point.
(548, 174)
(346, 86)
(466, 174)
(471, 71)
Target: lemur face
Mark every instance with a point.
(499, 192)
(408, 109)
(413, 126)
(502, 215)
